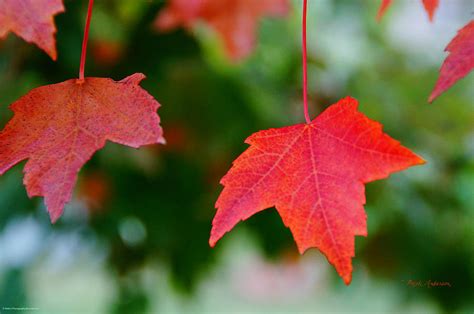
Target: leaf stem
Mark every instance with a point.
(84, 41)
(305, 65)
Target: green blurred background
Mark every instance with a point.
(134, 239)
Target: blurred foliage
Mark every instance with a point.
(156, 204)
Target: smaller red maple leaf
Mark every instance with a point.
(32, 20)
(314, 175)
(459, 62)
(429, 5)
(59, 127)
(235, 21)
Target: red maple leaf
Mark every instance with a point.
(459, 62)
(430, 8)
(235, 21)
(32, 20)
(314, 175)
(59, 127)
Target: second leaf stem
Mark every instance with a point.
(85, 40)
(305, 65)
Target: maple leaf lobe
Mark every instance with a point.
(314, 175)
(58, 128)
(459, 62)
(32, 20)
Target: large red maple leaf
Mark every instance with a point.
(32, 20)
(459, 62)
(314, 174)
(235, 21)
(429, 5)
(59, 127)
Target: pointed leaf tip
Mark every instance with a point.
(430, 7)
(135, 79)
(384, 5)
